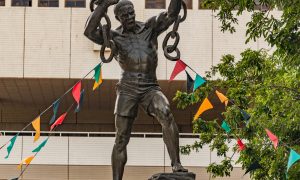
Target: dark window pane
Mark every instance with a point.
(201, 5)
(75, 3)
(48, 3)
(155, 4)
(2, 2)
(21, 3)
(189, 4)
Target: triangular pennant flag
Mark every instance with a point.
(37, 126)
(245, 115)
(98, 77)
(206, 105)
(59, 121)
(97, 70)
(76, 91)
(226, 127)
(293, 158)
(198, 82)
(55, 109)
(222, 97)
(242, 146)
(25, 161)
(80, 101)
(189, 82)
(11, 145)
(252, 167)
(179, 66)
(41, 146)
(273, 138)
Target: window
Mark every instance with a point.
(21, 3)
(201, 5)
(48, 3)
(2, 2)
(189, 4)
(155, 4)
(75, 3)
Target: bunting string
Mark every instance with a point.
(206, 105)
(62, 96)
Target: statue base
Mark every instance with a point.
(174, 176)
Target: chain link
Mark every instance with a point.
(168, 49)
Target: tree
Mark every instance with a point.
(267, 86)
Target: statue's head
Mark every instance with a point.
(124, 12)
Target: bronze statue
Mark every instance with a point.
(135, 46)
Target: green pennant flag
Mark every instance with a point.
(294, 157)
(198, 82)
(97, 70)
(41, 146)
(226, 127)
(11, 145)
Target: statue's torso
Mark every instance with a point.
(137, 52)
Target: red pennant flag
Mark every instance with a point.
(76, 91)
(273, 138)
(59, 121)
(180, 66)
(242, 146)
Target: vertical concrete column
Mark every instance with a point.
(7, 3)
(35, 3)
(61, 3)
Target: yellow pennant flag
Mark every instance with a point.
(206, 105)
(37, 126)
(97, 84)
(26, 161)
(222, 97)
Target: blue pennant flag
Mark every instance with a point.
(189, 82)
(55, 109)
(245, 115)
(80, 101)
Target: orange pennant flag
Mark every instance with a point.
(206, 105)
(98, 82)
(37, 126)
(222, 97)
(26, 161)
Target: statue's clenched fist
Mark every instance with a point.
(104, 3)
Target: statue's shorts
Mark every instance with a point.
(135, 92)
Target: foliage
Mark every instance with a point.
(281, 32)
(267, 86)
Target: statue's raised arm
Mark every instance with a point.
(164, 20)
(93, 29)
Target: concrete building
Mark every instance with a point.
(43, 53)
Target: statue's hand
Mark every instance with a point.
(106, 3)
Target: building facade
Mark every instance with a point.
(43, 53)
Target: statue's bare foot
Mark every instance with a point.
(178, 168)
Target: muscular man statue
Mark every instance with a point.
(136, 44)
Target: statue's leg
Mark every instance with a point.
(159, 107)
(119, 153)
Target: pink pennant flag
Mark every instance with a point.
(180, 66)
(273, 138)
(76, 91)
(59, 121)
(242, 146)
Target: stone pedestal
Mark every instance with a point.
(174, 176)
